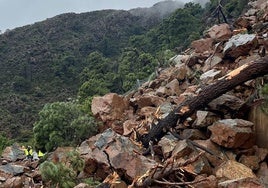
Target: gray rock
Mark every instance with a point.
(240, 45)
(12, 169)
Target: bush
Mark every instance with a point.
(62, 175)
(62, 124)
(4, 142)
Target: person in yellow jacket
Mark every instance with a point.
(40, 154)
(28, 152)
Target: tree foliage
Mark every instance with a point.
(62, 174)
(177, 31)
(90, 54)
(4, 142)
(62, 124)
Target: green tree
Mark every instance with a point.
(62, 124)
(57, 175)
(177, 31)
(4, 142)
(92, 87)
(135, 65)
(21, 84)
(62, 174)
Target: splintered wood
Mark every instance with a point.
(162, 174)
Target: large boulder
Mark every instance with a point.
(13, 153)
(110, 150)
(232, 133)
(203, 45)
(240, 45)
(109, 107)
(12, 169)
(221, 32)
(148, 100)
(226, 103)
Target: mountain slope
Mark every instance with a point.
(40, 63)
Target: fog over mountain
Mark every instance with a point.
(16, 13)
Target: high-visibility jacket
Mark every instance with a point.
(26, 152)
(40, 154)
(30, 152)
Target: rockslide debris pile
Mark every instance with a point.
(229, 156)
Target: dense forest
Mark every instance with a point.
(51, 70)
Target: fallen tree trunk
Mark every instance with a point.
(238, 76)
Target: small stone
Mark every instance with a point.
(210, 76)
(262, 173)
(167, 144)
(250, 161)
(182, 149)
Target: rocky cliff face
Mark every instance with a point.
(217, 146)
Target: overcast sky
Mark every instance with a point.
(16, 13)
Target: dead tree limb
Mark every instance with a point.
(238, 76)
(160, 173)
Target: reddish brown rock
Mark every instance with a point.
(110, 150)
(261, 153)
(203, 45)
(250, 161)
(131, 164)
(60, 154)
(114, 181)
(200, 166)
(226, 103)
(205, 118)
(182, 150)
(220, 32)
(231, 170)
(241, 183)
(208, 182)
(109, 107)
(167, 144)
(232, 133)
(173, 88)
(213, 159)
(149, 100)
(146, 111)
(179, 72)
(128, 126)
(15, 182)
(242, 22)
(262, 173)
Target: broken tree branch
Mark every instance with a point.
(236, 77)
(158, 174)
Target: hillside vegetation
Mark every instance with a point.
(76, 56)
